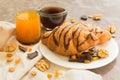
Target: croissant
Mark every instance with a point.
(69, 39)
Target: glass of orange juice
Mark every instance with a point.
(28, 27)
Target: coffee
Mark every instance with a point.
(52, 16)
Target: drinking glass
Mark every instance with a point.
(28, 27)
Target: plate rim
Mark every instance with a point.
(82, 67)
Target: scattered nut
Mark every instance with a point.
(97, 17)
(42, 65)
(9, 54)
(1, 49)
(90, 16)
(33, 73)
(11, 69)
(111, 29)
(103, 53)
(87, 61)
(73, 57)
(11, 47)
(57, 73)
(29, 49)
(95, 58)
(49, 76)
(17, 61)
(9, 59)
(72, 20)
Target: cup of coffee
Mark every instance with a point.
(52, 14)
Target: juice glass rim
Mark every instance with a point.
(27, 11)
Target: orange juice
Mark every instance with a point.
(28, 27)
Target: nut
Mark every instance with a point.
(87, 61)
(11, 47)
(57, 73)
(72, 20)
(111, 29)
(11, 69)
(49, 76)
(9, 54)
(103, 53)
(90, 16)
(95, 58)
(42, 65)
(33, 73)
(97, 17)
(9, 59)
(29, 49)
(73, 57)
(17, 61)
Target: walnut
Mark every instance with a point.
(42, 65)
(103, 53)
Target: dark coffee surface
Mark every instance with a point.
(52, 10)
(51, 17)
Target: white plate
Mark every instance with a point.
(111, 46)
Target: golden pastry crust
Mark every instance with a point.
(70, 39)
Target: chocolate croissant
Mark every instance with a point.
(69, 39)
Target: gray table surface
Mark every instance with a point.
(76, 8)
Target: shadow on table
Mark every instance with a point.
(105, 69)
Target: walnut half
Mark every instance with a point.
(42, 65)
